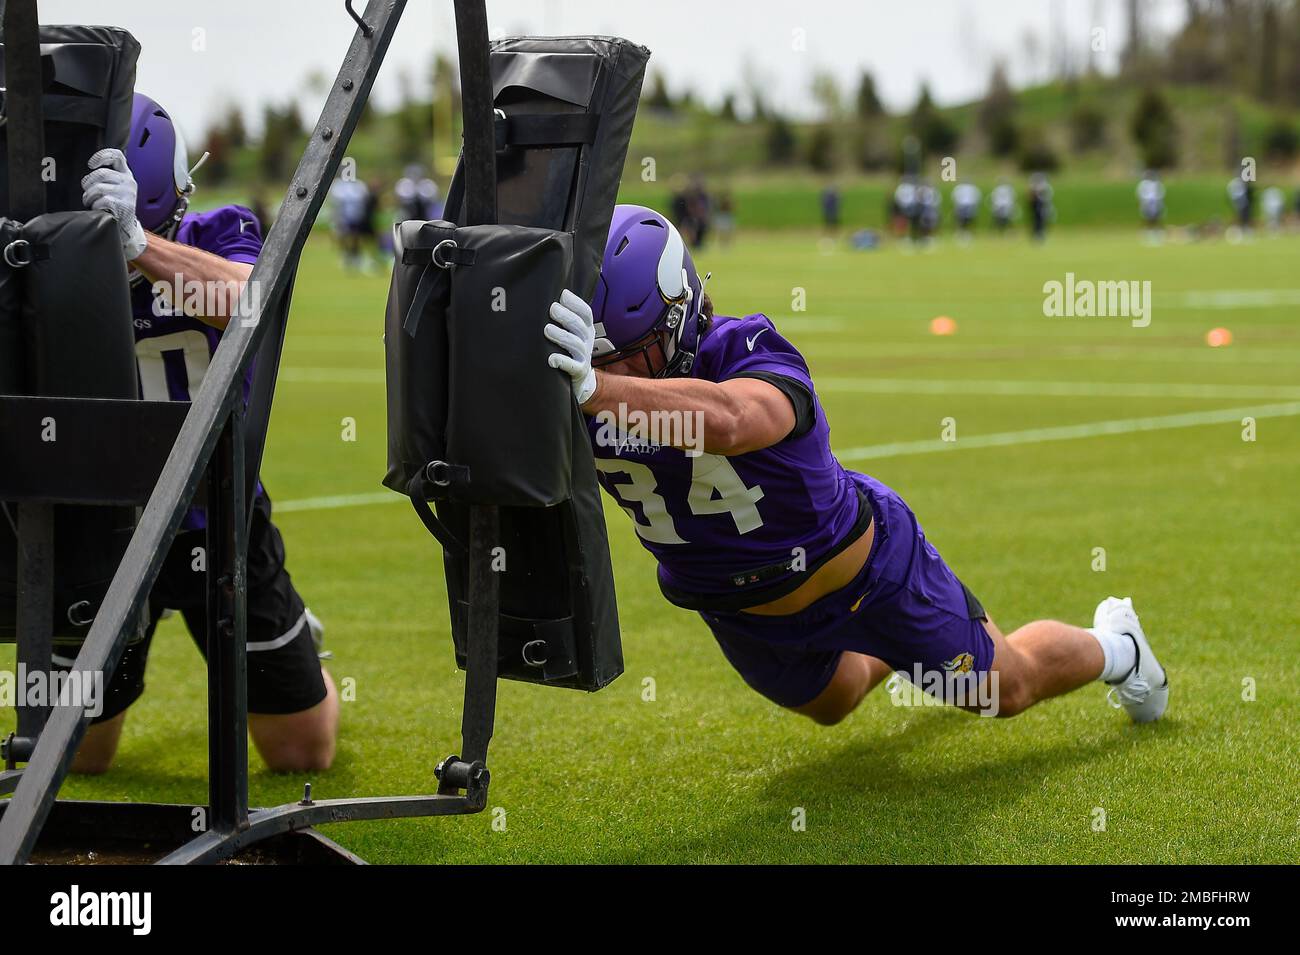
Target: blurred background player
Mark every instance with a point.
(350, 206)
(693, 209)
(1241, 195)
(1040, 205)
(372, 237)
(1273, 205)
(1002, 201)
(417, 195)
(293, 709)
(928, 212)
(965, 208)
(1151, 203)
(724, 219)
(903, 207)
(830, 203)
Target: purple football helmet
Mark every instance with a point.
(155, 153)
(648, 295)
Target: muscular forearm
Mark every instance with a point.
(208, 287)
(734, 416)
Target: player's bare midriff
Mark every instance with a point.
(835, 574)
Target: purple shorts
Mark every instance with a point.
(905, 607)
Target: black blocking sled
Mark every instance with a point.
(476, 416)
(480, 425)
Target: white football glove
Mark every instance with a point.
(573, 331)
(111, 188)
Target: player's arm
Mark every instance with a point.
(739, 415)
(209, 285)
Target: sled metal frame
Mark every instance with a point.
(210, 455)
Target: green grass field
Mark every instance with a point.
(1072, 434)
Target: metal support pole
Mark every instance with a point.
(226, 565)
(479, 162)
(26, 151)
(479, 715)
(483, 592)
(35, 605)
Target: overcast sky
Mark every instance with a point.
(199, 55)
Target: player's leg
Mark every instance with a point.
(825, 685)
(1047, 658)
(98, 746)
(1040, 660)
(856, 675)
(299, 742)
(922, 619)
(293, 707)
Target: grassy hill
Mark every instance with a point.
(1093, 187)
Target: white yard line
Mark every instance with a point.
(1238, 298)
(1089, 429)
(1063, 389)
(875, 452)
(1165, 354)
(335, 501)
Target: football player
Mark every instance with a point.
(816, 581)
(1003, 202)
(1151, 201)
(965, 207)
(187, 273)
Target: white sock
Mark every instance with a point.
(1119, 651)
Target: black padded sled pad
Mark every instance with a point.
(88, 80)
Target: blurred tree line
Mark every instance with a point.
(1246, 51)
(1249, 50)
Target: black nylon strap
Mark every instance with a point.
(417, 491)
(546, 129)
(431, 278)
(420, 301)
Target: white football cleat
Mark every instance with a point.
(1144, 691)
(317, 634)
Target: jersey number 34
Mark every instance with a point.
(716, 488)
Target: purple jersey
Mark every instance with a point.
(719, 524)
(172, 349)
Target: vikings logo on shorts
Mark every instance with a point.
(962, 663)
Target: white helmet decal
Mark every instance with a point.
(180, 164)
(671, 276)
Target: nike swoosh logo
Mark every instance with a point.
(857, 603)
(750, 341)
